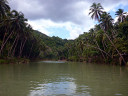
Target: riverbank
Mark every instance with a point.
(14, 60)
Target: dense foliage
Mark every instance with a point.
(54, 47)
(106, 42)
(17, 38)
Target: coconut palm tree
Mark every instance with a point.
(106, 24)
(19, 24)
(6, 27)
(95, 11)
(93, 35)
(4, 8)
(121, 15)
(26, 35)
(105, 20)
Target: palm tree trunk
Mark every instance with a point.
(100, 50)
(22, 46)
(12, 45)
(30, 51)
(103, 44)
(13, 52)
(4, 43)
(3, 39)
(115, 48)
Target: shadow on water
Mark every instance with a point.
(57, 78)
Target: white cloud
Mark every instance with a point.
(70, 14)
(74, 29)
(37, 25)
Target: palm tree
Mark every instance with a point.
(4, 8)
(121, 15)
(96, 10)
(106, 23)
(5, 31)
(26, 35)
(93, 35)
(80, 46)
(19, 27)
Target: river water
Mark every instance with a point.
(52, 78)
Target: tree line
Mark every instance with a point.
(106, 42)
(17, 38)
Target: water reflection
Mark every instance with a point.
(63, 79)
(65, 88)
(54, 88)
(57, 81)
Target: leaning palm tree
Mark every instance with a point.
(26, 35)
(106, 22)
(95, 11)
(18, 24)
(121, 15)
(5, 31)
(93, 35)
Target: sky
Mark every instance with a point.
(66, 19)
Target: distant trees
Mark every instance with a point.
(16, 34)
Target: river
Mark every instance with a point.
(51, 78)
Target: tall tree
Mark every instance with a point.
(121, 15)
(95, 11)
(105, 20)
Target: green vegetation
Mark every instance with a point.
(54, 47)
(14, 60)
(17, 38)
(107, 42)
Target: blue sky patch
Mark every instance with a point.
(59, 31)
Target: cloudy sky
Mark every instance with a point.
(63, 18)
